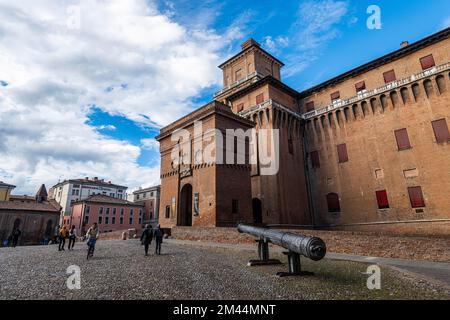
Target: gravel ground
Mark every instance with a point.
(119, 270)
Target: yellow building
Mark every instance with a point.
(5, 191)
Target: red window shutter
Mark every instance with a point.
(360, 86)
(402, 139)
(260, 98)
(335, 96)
(427, 62)
(416, 197)
(310, 106)
(240, 107)
(342, 153)
(440, 129)
(315, 160)
(333, 202)
(382, 199)
(389, 76)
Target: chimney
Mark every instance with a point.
(404, 44)
(95, 178)
(87, 178)
(249, 43)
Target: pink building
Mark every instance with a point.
(110, 213)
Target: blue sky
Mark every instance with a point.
(85, 85)
(352, 45)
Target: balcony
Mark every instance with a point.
(382, 89)
(254, 76)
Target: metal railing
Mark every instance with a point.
(264, 105)
(255, 74)
(382, 89)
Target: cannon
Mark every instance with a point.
(297, 245)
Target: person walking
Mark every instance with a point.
(15, 237)
(147, 237)
(159, 234)
(92, 235)
(63, 233)
(72, 237)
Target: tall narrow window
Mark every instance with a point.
(382, 199)
(389, 76)
(360, 86)
(342, 153)
(167, 215)
(427, 62)
(240, 107)
(100, 220)
(416, 197)
(290, 146)
(402, 139)
(315, 159)
(260, 98)
(333, 202)
(309, 106)
(235, 206)
(335, 96)
(440, 129)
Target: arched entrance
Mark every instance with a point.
(185, 213)
(257, 210)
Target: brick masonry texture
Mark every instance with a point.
(297, 193)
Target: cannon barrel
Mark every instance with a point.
(311, 247)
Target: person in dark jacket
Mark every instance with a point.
(159, 234)
(72, 237)
(15, 237)
(147, 237)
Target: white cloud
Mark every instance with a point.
(315, 26)
(274, 45)
(126, 58)
(446, 23)
(150, 144)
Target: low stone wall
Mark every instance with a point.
(115, 235)
(350, 242)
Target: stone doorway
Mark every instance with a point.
(257, 210)
(185, 213)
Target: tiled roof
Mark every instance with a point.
(98, 198)
(91, 182)
(154, 188)
(42, 192)
(46, 206)
(2, 184)
(22, 198)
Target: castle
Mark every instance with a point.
(366, 150)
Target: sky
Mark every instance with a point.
(85, 85)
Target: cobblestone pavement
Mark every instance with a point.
(119, 270)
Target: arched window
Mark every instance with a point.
(333, 202)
